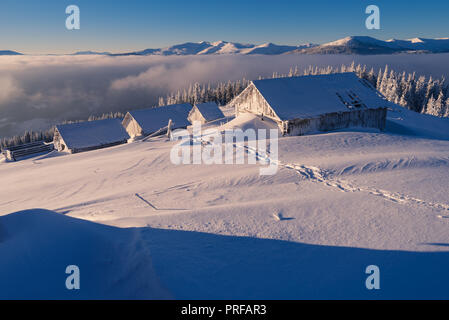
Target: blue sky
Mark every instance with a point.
(110, 25)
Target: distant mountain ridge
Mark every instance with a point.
(369, 45)
(216, 48)
(360, 45)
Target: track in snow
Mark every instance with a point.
(318, 175)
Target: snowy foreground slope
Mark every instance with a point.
(140, 227)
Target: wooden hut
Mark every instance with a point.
(316, 103)
(147, 121)
(89, 135)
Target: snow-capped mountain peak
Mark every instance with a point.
(416, 40)
(219, 43)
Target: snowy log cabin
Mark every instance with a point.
(89, 135)
(205, 112)
(315, 103)
(147, 121)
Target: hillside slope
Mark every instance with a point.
(339, 202)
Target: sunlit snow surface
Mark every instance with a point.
(140, 227)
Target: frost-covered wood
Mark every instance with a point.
(250, 100)
(205, 112)
(367, 118)
(195, 115)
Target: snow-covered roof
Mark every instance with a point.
(210, 111)
(153, 119)
(92, 133)
(309, 96)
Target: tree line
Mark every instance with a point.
(416, 93)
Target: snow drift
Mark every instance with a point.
(37, 245)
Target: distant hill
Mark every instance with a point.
(81, 53)
(9, 53)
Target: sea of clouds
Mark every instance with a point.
(39, 91)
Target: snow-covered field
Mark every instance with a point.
(140, 227)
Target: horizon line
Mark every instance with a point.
(128, 51)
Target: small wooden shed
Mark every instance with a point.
(15, 153)
(205, 112)
(147, 121)
(89, 135)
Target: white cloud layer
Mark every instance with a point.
(37, 91)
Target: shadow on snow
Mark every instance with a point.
(146, 263)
